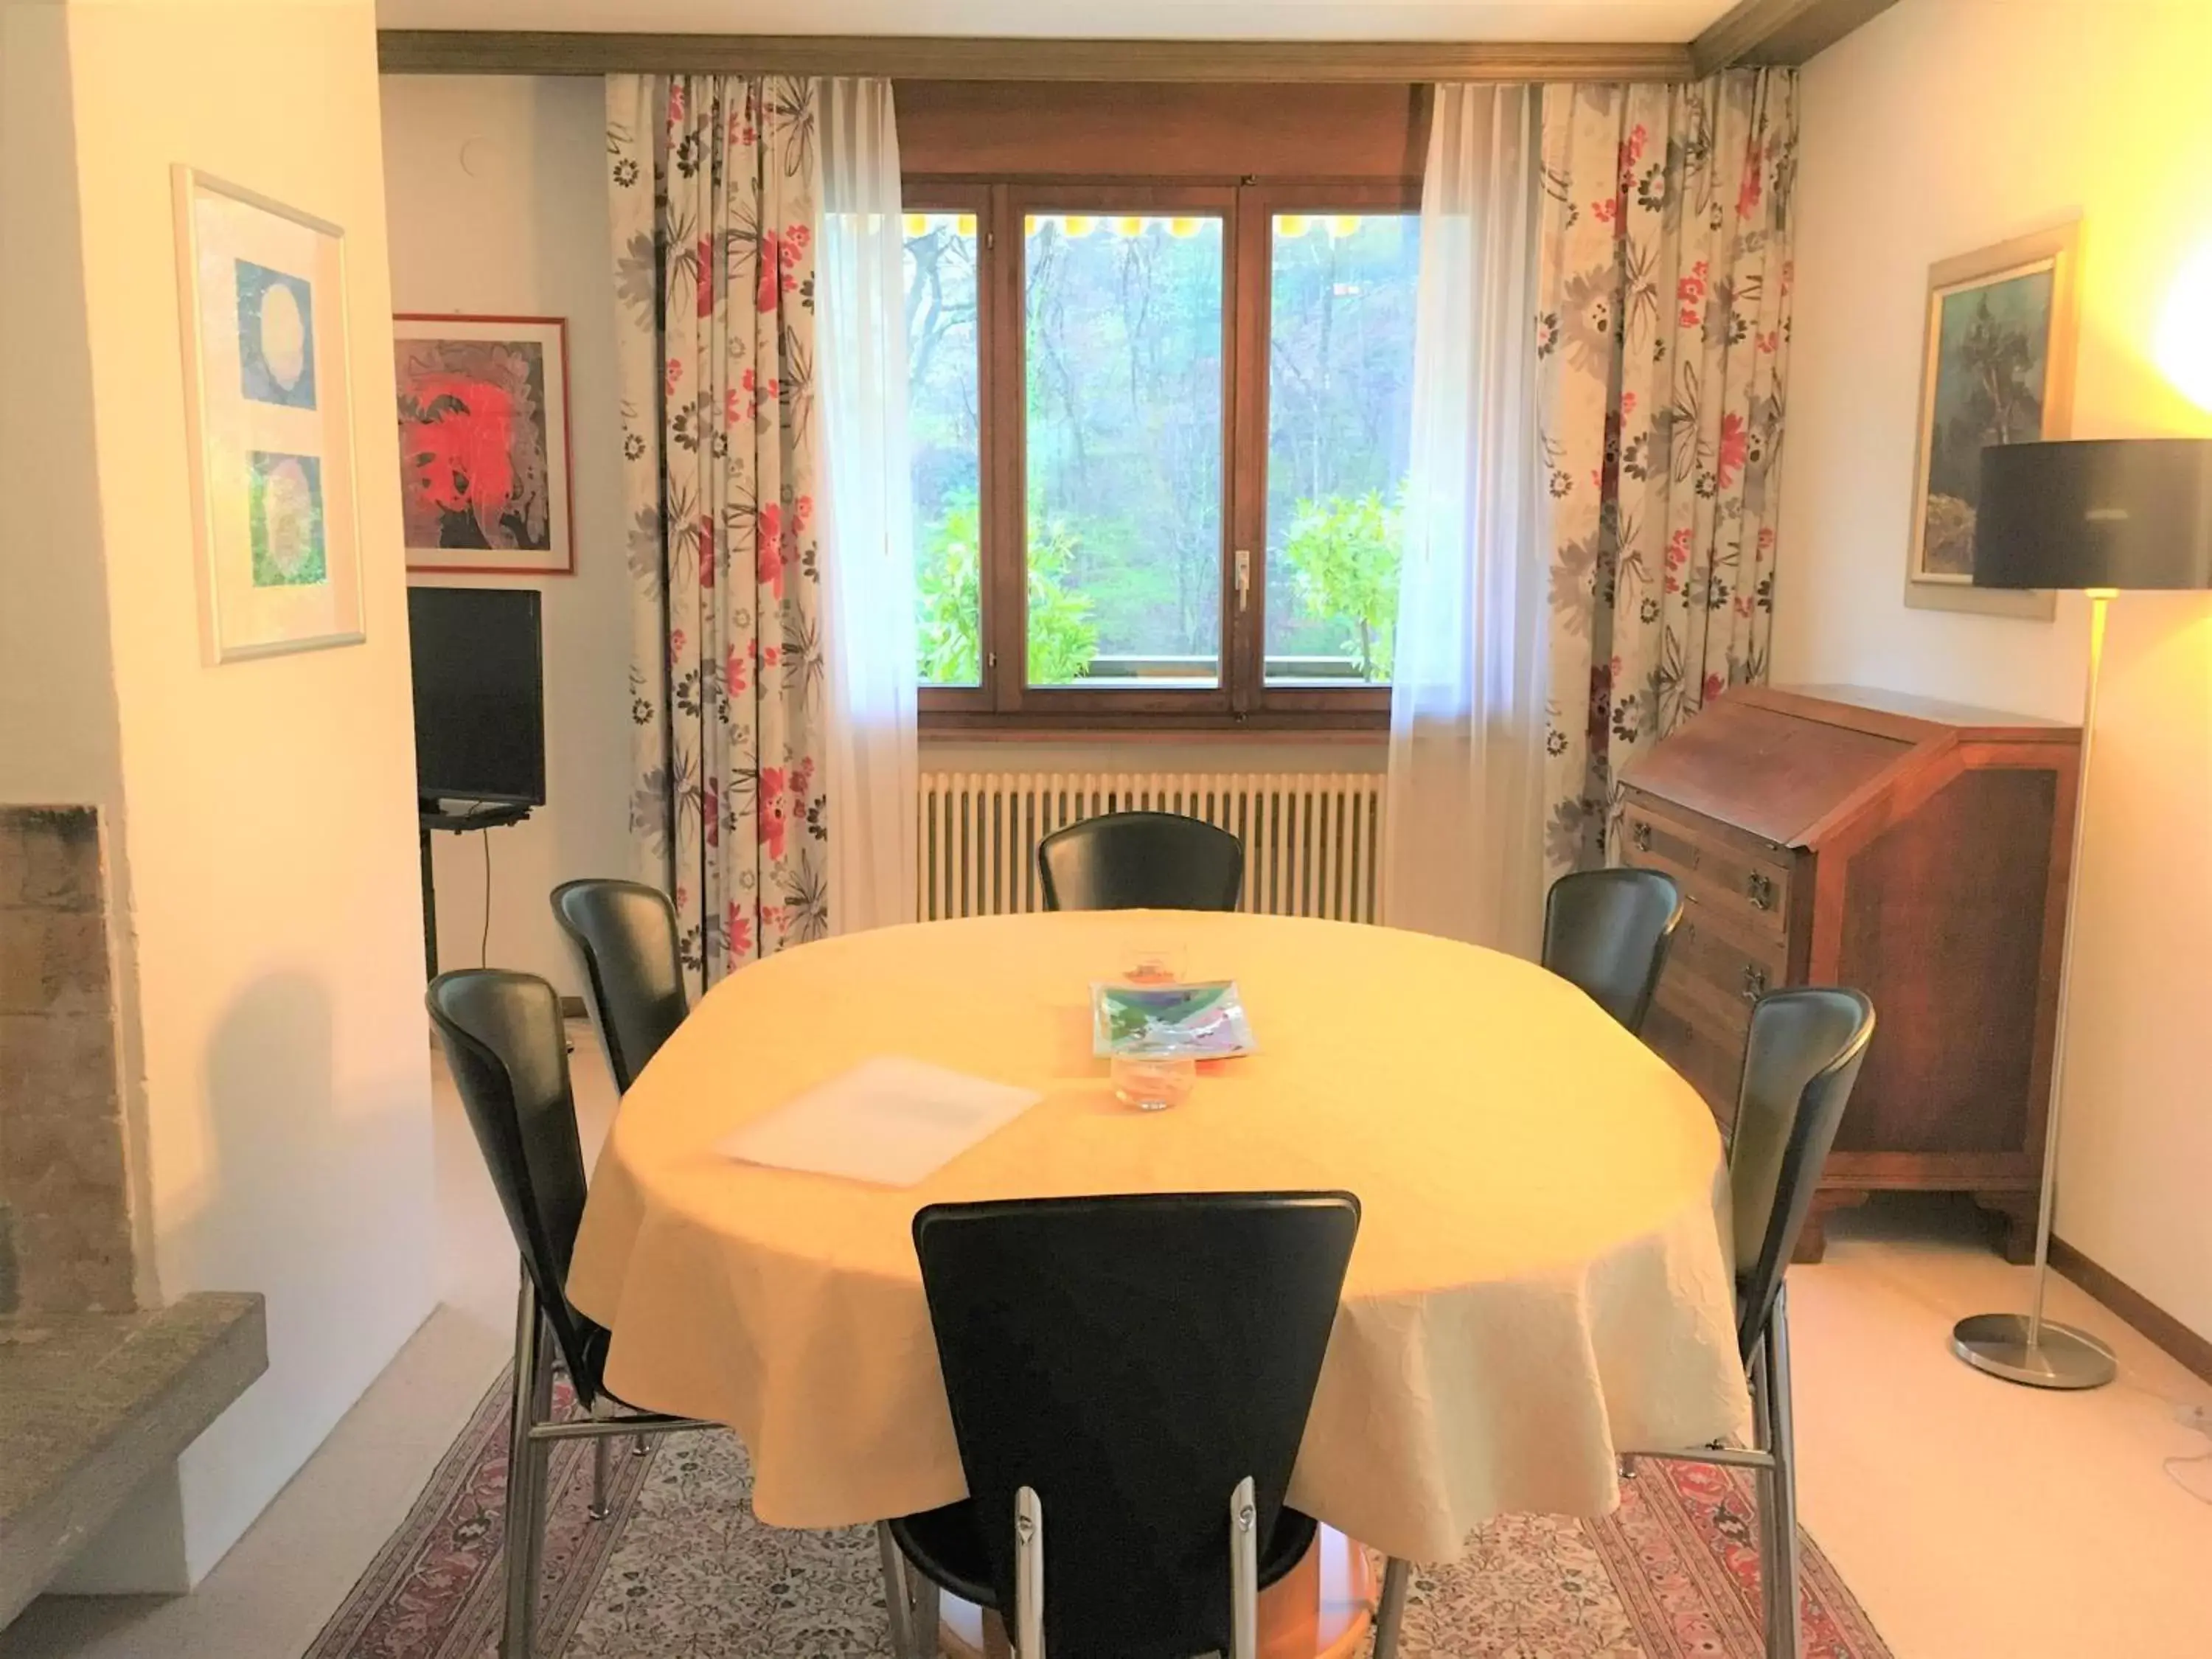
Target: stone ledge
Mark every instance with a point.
(92, 1404)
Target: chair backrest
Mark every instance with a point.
(1803, 1054)
(1130, 1360)
(509, 1057)
(1141, 861)
(623, 933)
(1608, 931)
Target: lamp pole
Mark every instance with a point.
(2042, 1353)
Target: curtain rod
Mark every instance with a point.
(943, 57)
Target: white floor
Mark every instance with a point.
(1972, 1517)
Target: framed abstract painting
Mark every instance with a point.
(270, 418)
(1997, 368)
(484, 443)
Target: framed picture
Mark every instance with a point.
(1997, 367)
(484, 443)
(269, 414)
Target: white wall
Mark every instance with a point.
(280, 1087)
(57, 695)
(60, 740)
(1941, 127)
(497, 205)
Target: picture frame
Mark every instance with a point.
(1997, 362)
(263, 299)
(484, 474)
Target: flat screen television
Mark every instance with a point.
(479, 694)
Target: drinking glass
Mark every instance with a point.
(1153, 1083)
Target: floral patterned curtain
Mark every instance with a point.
(1664, 273)
(715, 190)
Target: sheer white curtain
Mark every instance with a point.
(1463, 855)
(867, 579)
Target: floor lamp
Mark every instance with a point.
(2097, 517)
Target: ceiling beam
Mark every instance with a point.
(924, 58)
(1778, 31)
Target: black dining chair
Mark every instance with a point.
(623, 934)
(1801, 1059)
(1129, 1380)
(1608, 931)
(1141, 861)
(504, 1043)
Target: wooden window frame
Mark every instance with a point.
(1243, 702)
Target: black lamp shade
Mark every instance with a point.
(2129, 513)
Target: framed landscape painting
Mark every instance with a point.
(270, 418)
(484, 443)
(1997, 368)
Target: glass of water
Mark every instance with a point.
(1153, 1083)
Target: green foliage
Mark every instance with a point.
(1062, 638)
(949, 588)
(1343, 553)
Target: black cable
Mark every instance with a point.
(484, 944)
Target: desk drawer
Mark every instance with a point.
(1720, 970)
(1738, 883)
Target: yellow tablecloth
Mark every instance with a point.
(1539, 1277)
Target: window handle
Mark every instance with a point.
(1243, 580)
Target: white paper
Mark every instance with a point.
(891, 1122)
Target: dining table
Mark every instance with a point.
(1538, 1283)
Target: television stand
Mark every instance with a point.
(433, 815)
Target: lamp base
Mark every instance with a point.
(2063, 1358)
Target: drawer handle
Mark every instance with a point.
(1640, 833)
(1761, 891)
(1754, 982)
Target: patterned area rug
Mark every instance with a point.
(681, 1568)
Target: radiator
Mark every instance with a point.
(1312, 840)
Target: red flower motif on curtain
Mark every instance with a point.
(1630, 152)
(1752, 190)
(770, 812)
(1690, 290)
(1735, 444)
(776, 538)
(780, 257)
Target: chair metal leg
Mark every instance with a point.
(1782, 1568)
(600, 1449)
(1243, 1572)
(1028, 1574)
(926, 1615)
(1762, 1486)
(897, 1604)
(525, 1473)
(1390, 1612)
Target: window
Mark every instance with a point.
(944, 432)
(1339, 420)
(1160, 436)
(1122, 334)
